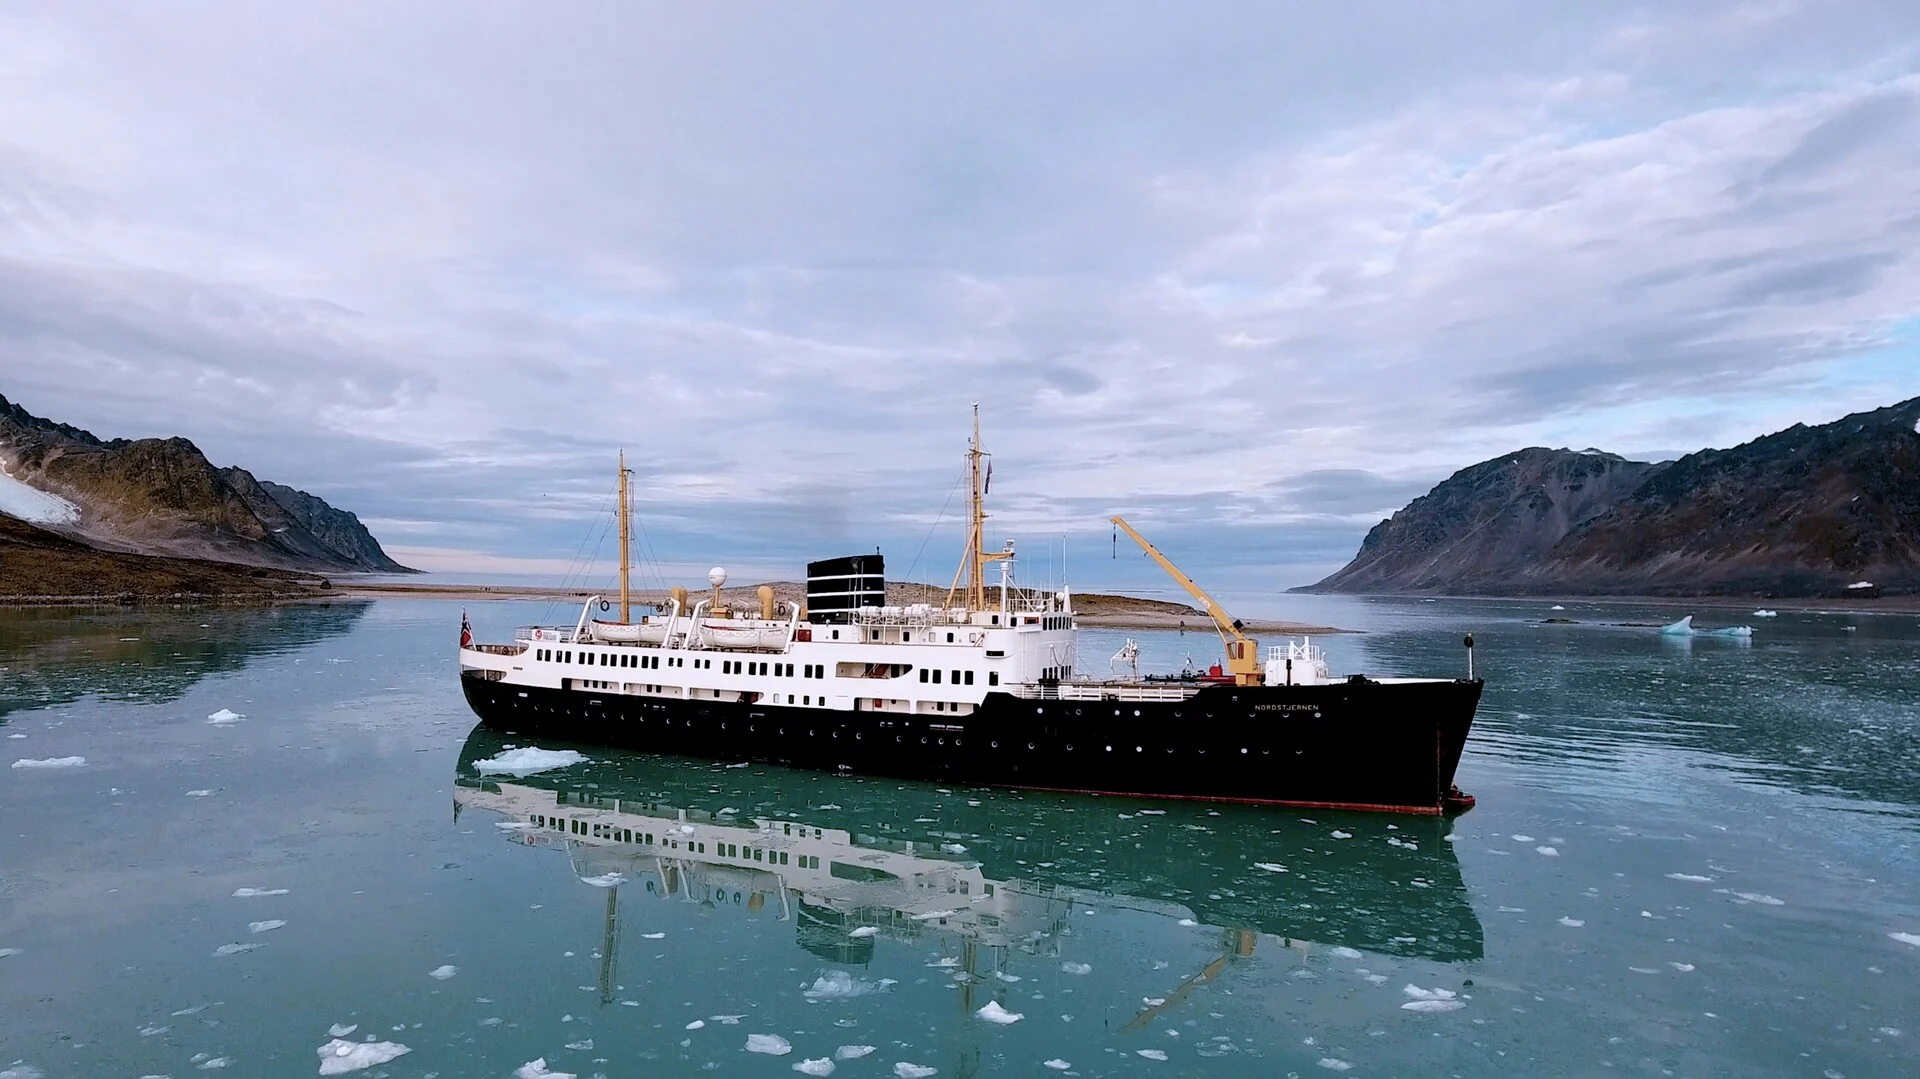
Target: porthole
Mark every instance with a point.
(1138, 749)
(1109, 749)
(1069, 747)
(1136, 711)
(996, 745)
(1243, 750)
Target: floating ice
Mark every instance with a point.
(1418, 993)
(537, 1069)
(442, 973)
(1907, 938)
(1556, 607)
(338, 1057)
(727, 1020)
(1271, 867)
(1334, 1064)
(1521, 838)
(250, 893)
(1551, 852)
(148, 1032)
(215, 1063)
(1682, 628)
(840, 985)
(954, 848)
(1433, 1005)
(1345, 952)
(50, 762)
(341, 1030)
(696, 1024)
(653, 936)
(1076, 968)
(1150, 1054)
(912, 1071)
(262, 927)
(1005, 977)
(1187, 922)
(771, 1044)
(866, 931)
(605, 880)
(994, 1013)
(527, 760)
(236, 949)
(1753, 897)
(816, 1066)
(30, 503)
(1572, 923)
(584, 1046)
(4, 952)
(1764, 613)
(1684, 968)
(202, 793)
(1057, 1064)
(852, 1052)
(225, 716)
(1694, 877)
(1338, 834)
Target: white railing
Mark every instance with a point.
(1069, 691)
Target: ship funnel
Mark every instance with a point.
(837, 587)
(766, 601)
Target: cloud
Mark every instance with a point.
(1253, 274)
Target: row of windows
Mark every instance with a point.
(627, 835)
(993, 677)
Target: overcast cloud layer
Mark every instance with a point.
(1253, 277)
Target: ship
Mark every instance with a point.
(982, 688)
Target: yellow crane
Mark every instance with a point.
(1243, 652)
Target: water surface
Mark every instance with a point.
(1689, 858)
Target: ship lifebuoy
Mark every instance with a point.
(536, 633)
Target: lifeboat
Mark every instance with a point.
(630, 632)
(744, 635)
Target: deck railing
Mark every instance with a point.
(1128, 691)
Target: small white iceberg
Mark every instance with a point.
(250, 893)
(905, 1070)
(1271, 867)
(341, 1030)
(1764, 613)
(994, 1013)
(236, 949)
(537, 1069)
(527, 760)
(338, 1057)
(1076, 968)
(1057, 1064)
(852, 1052)
(442, 973)
(771, 1044)
(1684, 628)
(225, 716)
(1572, 923)
(50, 762)
(1151, 1054)
(266, 926)
(1907, 938)
(816, 1066)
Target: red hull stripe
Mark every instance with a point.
(1364, 807)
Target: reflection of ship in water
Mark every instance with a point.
(999, 870)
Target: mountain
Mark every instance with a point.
(1803, 512)
(39, 565)
(162, 496)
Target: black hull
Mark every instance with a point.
(1387, 746)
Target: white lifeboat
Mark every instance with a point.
(630, 632)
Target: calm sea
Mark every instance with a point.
(1690, 858)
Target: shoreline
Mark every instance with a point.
(1749, 604)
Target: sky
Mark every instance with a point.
(1253, 275)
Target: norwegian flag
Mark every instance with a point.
(466, 630)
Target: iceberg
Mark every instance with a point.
(994, 1013)
(1682, 628)
(537, 1069)
(225, 716)
(527, 760)
(339, 1056)
(1764, 613)
(50, 762)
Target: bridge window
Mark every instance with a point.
(993, 678)
(956, 678)
(969, 677)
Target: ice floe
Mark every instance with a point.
(215, 1063)
(1151, 1054)
(4, 952)
(605, 880)
(697, 1024)
(585, 1045)
(341, 1030)
(250, 893)
(852, 1052)
(1271, 867)
(1005, 977)
(840, 985)
(50, 762)
(1338, 834)
(225, 716)
(1753, 897)
(816, 1066)
(443, 972)
(527, 760)
(266, 926)
(1764, 613)
(338, 1057)
(1551, 852)
(1521, 838)
(771, 1044)
(1345, 952)
(866, 931)
(1057, 1064)
(537, 1069)
(150, 1031)
(1335, 1064)
(994, 1013)
(653, 936)
(1907, 938)
(201, 793)
(236, 949)
(1077, 968)
(906, 1070)
(1691, 877)
(726, 1020)
(1684, 968)
(1572, 923)
(1187, 923)
(954, 848)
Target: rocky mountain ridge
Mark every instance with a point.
(1803, 512)
(161, 496)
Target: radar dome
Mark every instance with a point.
(717, 576)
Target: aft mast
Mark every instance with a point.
(974, 564)
(626, 544)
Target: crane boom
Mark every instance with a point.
(1243, 652)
